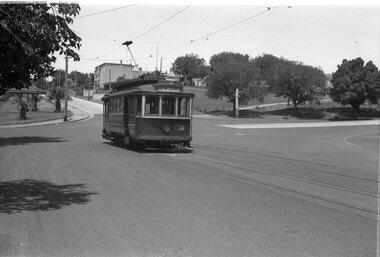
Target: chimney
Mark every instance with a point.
(121, 61)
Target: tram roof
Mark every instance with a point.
(147, 85)
(131, 83)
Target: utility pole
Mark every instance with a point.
(161, 65)
(237, 103)
(88, 79)
(157, 59)
(109, 79)
(66, 86)
(75, 84)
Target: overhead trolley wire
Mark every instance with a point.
(144, 33)
(108, 52)
(220, 30)
(149, 30)
(235, 24)
(110, 10)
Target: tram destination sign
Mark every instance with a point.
(168, 88)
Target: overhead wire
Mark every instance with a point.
(171, 17)
(110, 10)
(219, 30)
(301, 25)
(146, 32)
(96, 58)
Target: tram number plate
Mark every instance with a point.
(179, 127)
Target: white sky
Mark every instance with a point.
(317, 35)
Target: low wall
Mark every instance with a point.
(97, 96)
(93, 94)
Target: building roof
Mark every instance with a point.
(117, 64)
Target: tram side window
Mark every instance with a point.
(111, 105)
(106, 108)
(131, 104)
(151, 105)
(121, 105)
(138, 99)
(168, 105)
(183, 106)
(117, 104)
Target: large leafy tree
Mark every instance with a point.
(354, 83)
(190, 66)
(231, 71)
(228, 58)
(295, 81)
(30, 33)
(298, 82)
(80, 79)
(267, 64)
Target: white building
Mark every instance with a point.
(110, 72)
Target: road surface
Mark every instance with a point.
(64, 191)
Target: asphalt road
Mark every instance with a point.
(64, 191)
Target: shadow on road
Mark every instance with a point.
(4, 141)
(40, 195)
(142, 149)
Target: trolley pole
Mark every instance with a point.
(66, 87)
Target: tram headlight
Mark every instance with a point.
(166, 128)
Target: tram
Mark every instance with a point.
(148, 112)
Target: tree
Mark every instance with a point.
(354, 83)
(57, 91)
(227, 58)
(298, 82)
(231, 71)
(190, 66)
(22, 103)
(267, 64)
(57, 94)
(30, 33)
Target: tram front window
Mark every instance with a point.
(151, 105)
(168, 105)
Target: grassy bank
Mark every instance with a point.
(9, 113)
(327, 110)
(203, 104)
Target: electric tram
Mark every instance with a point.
(148, 112)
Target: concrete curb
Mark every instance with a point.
(34, 123)
(88, 115)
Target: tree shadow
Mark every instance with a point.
(301, 113)
(347, 113)
(4, 141)
(40, 195)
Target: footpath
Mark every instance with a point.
(79, 110)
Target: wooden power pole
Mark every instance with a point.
(237, 103)
(66, 87)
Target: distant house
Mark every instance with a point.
(109, 72)
(199, 82)
(171, 76)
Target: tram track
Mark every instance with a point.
(318, 172)
(281, 156)
(341, 197)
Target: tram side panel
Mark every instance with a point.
(170, 130)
